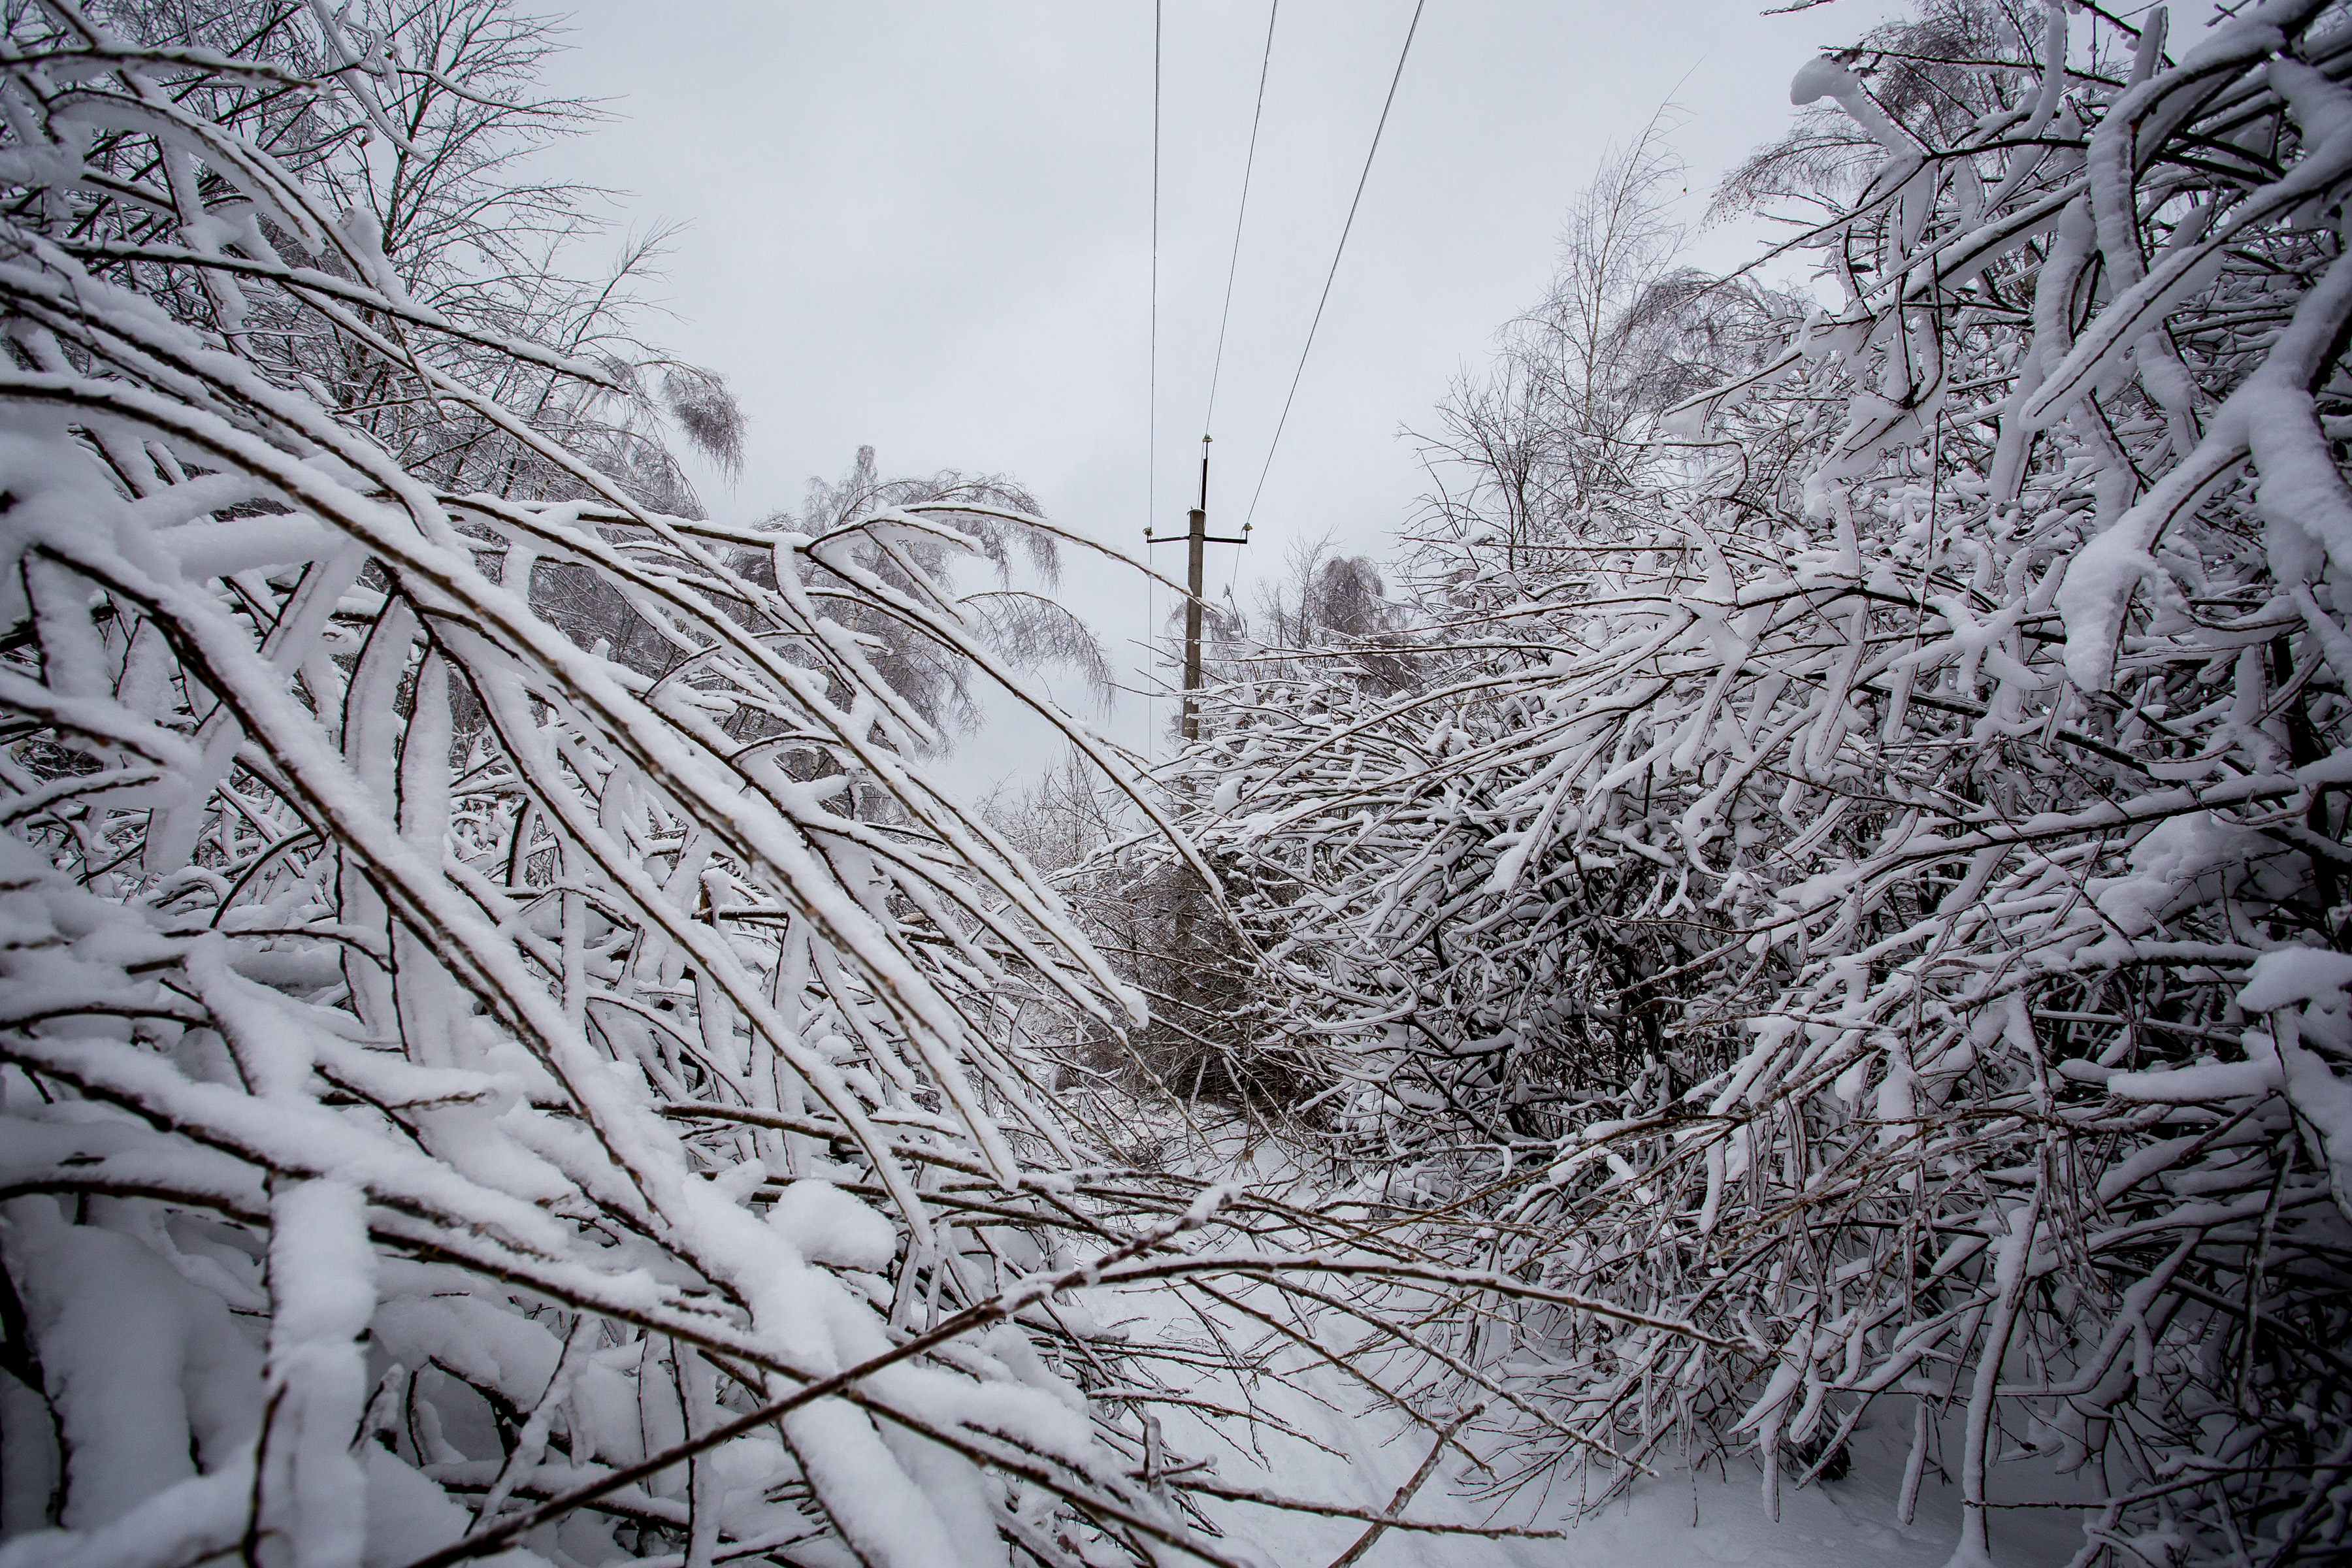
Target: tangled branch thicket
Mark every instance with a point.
(1863, 870)
(1830, 908)
(508, 1048)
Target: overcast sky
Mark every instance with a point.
(926, 226)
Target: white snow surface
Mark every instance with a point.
(1675, 1518)
(1350, 1452)
(828, 1226)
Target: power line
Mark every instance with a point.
(1151, 414)
(1152, 403)
(1209, 420)
(1402, 54)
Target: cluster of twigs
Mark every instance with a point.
(464, 1088)
(1886, 909)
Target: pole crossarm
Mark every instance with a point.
(1197, 535)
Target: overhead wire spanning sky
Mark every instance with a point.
(927, 226)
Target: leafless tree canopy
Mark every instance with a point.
(1860, 866)
(1812, 900)
(505, 1043)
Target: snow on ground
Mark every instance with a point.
(1350, 1453)
(1675, 1518)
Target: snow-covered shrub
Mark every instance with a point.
(461, 1091)
(1886, 909)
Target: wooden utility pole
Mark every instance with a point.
(1198, 537)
